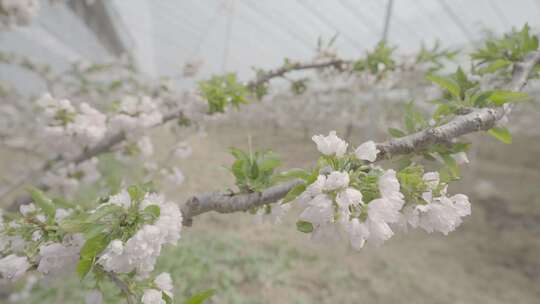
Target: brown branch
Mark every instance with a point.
(265, 77)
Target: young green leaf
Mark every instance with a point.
(290, 174)
(200, 297)
(92, 230)
(83, 267)
(294, 193)
(501, 134)
(103, 211)
(94, 246)
(269, 162)
(43, 202)
(451, 164)
(481, 99)
(396, 132)
(166, 298)
(499, 98)
(305, 227)
(135, 193)
(154, 210)
(446, 83)
(61, 202)
(494, 66)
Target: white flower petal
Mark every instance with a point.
(367, 151)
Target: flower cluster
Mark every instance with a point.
(67, 179)
(353, 198)
(163, 288)
(440, 212)
(140, 251)
(173, 175)
(122, 237)
(61, 256)
(136, 112)
(272, 214)
(70, 129)
(36, 232)
(17, 12)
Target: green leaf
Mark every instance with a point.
(94, 246)
(494, 66)
(294, 192)
(460, 147)
(83, 267)
(442, 110)
(135, 193)
(73, 226)
(314, 175)
(200, 297)
(91, 230)
(396, 132)
(403, 162)
(481, 99)
(428, 156)
(290, 174)
(43, 202)
(166, 298)
(446, 83)
(237, 169)
(414, 119)
(409, 124)
(238, 154)
(149, 187)
(57, 201)
(501, 134)
(462, 81)
(103, 211)
(499, 98)
(270, 162)
(154, 210)
(254, 172)
(451, 164)
(305, 227)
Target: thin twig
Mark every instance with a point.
(122, 286)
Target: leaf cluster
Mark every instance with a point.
(500, 53)
(462, 95)
(253, 171)
(222, 91)
(435, 56)
(377, 61)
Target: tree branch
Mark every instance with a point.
(108, 143)
(226, 203)
(279, 72)
(477, 120)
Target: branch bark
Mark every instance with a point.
(226, 203)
